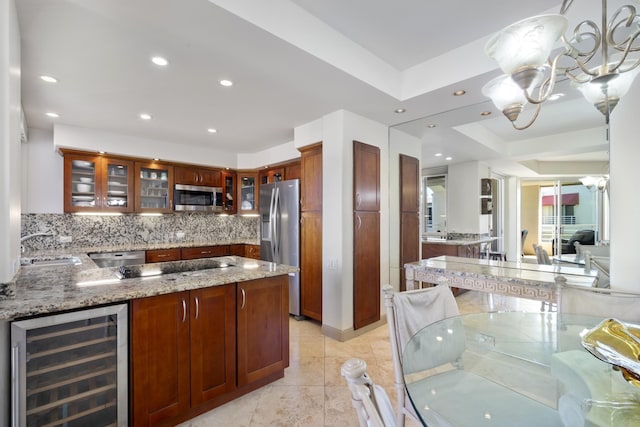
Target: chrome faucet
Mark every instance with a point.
(29, 236)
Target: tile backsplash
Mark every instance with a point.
(93, 231)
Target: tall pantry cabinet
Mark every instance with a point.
(366, 234)
(409, 213)
(311, 232)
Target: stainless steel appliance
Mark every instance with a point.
(197, 198)
(280, 231)
(70, 369)
(117, 259)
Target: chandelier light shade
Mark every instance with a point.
(526, 45)
(523, 52)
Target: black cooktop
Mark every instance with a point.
(158, 268)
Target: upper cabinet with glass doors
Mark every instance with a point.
(154, 187)
(97, 184)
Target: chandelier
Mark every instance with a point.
(600, 62)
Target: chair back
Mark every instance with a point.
(542, 256)
(370, 401)
(407, 313)
(523, 237)
(599, 302)
(601, 264)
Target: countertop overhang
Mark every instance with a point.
(43, 290)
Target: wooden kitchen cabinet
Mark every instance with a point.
(311, 264)
(229, 204)
(159, 353)
(366, 177)
(409, 213)
(271, 175)
(366, 268)
(205, 252)
(198, 176)
(162, 255)
(252, 251)
(263, 328)
(311, 231)
(95, 183)
(311, 178)
(182, 352)
(248, 193)
(154, 187)
(366, 234)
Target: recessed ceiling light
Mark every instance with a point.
(225, 82)
(145, 116)
(448, 158)
(54, 115)
(100, 152)
(438, 154)
(156, 159)
(431, 126)
(159, 60)
(459, 92)
(556, 96)
(212, 130)
(485, 113)
(48, 79)
(399, 110)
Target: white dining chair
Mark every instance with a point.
(371, 402)
(542, 256)
(598, 302)
(601, 265)
(407, 313)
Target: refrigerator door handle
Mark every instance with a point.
(272, 236)
(276, 229)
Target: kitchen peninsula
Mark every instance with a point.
(201, 332)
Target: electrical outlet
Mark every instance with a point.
(180, 234)
(65, 239)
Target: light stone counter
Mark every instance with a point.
(41, 290)
(458, 242)
(531, 281)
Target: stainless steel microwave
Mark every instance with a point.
(197, 198)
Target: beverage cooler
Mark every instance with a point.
(70, 369)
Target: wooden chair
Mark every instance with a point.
(370, 401)
(407, 313)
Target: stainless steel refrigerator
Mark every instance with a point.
(280, 231)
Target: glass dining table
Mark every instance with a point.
(514, 369)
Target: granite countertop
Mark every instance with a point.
(457, 242)
(42, 290)
(506, 271)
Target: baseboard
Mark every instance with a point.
(347, 334)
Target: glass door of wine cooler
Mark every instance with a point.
(70, 369)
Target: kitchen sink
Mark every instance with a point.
(50, 262)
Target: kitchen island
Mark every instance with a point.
(198, 336)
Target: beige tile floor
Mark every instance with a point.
(312, 392)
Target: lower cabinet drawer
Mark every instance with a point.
(205, 252)
(161, 255)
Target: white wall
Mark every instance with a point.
(624, 201)
(96, 140)
(277, 154)
(463, 204)
(10, 108)
(411, 146)
(42, 174)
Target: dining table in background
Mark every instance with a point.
(511, 278)
(514, 369)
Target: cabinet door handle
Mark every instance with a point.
(359, 222)
(184, 310)
(205, 252)
(15, 382)
(162, 255)
(244, 298)
(197, 307)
